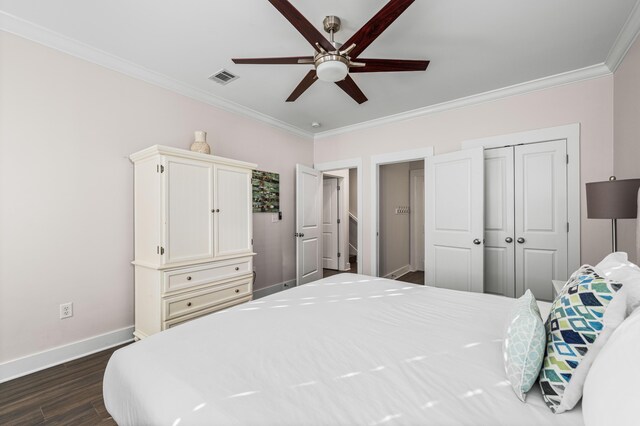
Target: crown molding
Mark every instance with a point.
(29, 30)
(587, 73)
(625, 39)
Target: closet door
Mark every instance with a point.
(232, 203)
(188, 221)
(499, 247)
(540, 217)
(455, 220)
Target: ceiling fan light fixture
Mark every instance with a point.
(332, 68)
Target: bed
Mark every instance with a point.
(349, 349)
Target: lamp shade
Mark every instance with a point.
(613, 199)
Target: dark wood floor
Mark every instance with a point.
(67, 394)
(330, 272)
(415, 277)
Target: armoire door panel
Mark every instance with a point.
(538, 271)
(188, 221)
(498, 271)
(310, 256)
(452, 207)
(453, 268)
(540, 216)
(233, 211)
(499, 265)
(537, 187)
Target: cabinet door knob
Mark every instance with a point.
(188, 278)
(237, 268)
(189, 304)
(477, 242)
(520, 240)
(217, 210)
(508, 240)
(237, 290)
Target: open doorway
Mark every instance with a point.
(401, 221)
(339, 222)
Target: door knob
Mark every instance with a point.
(508, 240)
(477, 242)
(520, 240)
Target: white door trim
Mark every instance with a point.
(413, 219)
(571, 133)
(352, 163)
(376, 162)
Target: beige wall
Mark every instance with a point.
(394, 228)
(353, 192)
(66, 209)
(626, 148)
(589, 103)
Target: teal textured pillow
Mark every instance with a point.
(583, 316)
(523, 346)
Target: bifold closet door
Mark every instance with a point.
(540, 217)
(499, 218)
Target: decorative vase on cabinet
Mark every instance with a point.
(193, 236)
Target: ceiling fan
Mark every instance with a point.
(331, 62)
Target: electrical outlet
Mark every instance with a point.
(66, 310)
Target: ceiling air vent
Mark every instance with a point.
(223, 77)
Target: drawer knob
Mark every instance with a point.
(237, 268)
(188, 278)
(189, 304)
(237, 290)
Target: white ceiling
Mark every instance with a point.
(474, 47)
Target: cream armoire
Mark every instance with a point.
(193, 236)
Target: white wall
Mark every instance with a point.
(589, 103)
(394, 239)
(66, 208)
(626, 148)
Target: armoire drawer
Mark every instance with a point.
(186, 318)
(184, 278)
(174, 307)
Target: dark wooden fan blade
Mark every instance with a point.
(352, 89)
(274, 61)
(390, 65)
(301, 24)
(376, 25)
(306, 82)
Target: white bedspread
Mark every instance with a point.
(349, 349)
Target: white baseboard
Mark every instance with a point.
(273, 289)
(398, 272)
(39, 361)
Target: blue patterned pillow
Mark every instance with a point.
(582, 317)
(523, 347)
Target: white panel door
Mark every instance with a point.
(308, 224)
(416, 201)
(455, 224)
(233, 220)
(499, 247)
(330, 223)
(540, 217)
(188, 217)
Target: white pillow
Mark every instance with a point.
(524, 344)
(611, 392)
(616, 267)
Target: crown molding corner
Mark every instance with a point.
(31, 31)
(587, 73)
(625, 39)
